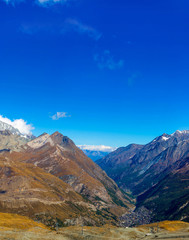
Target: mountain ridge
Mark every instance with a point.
(5, 126)
(150, 168)
(58, 156)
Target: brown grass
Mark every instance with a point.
(171, 226)
(14, 221)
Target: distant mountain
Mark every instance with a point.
(118, 158)
(96, 152)
(143, 170)
(95, 155)
(4, 126)
(57, 155)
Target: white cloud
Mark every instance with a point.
(101, 148)
(77, 26)
(106, 60)
(59, 115)
(20, 124)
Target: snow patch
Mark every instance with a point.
(165, 138)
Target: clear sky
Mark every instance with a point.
(101, 72)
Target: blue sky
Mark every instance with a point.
(116, 72)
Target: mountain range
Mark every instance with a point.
(50, 179)
(96, 152)
(95, 155)
(155, 173)
(5, 126)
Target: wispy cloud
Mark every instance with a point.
(43, 3)
(81, 28)
(106, 60)
(47, 3)
(20, 124)
(101, 148)
(59, 115)
(69, 25)
(13, 2)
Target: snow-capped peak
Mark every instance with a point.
(180, 132)
(5, 126)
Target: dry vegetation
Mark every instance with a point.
(15, 227)
(171, 226)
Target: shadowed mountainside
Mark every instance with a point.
(169, 199)
(155, 173)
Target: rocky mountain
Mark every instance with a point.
(114, 161)
(169, 198)
(28, 190)
(11, 141)
(145, 171)
(4, 126)
(130, 166)
(58, 156)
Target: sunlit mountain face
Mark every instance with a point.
(54, 176)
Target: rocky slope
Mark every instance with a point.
(169, 199)
(28, 190)
(5, 126)
(138, 169)
(57, 155)
(155, 173)
(114, 162)
(10, 141)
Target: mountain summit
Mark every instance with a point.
(5, 126)
(58, 155)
